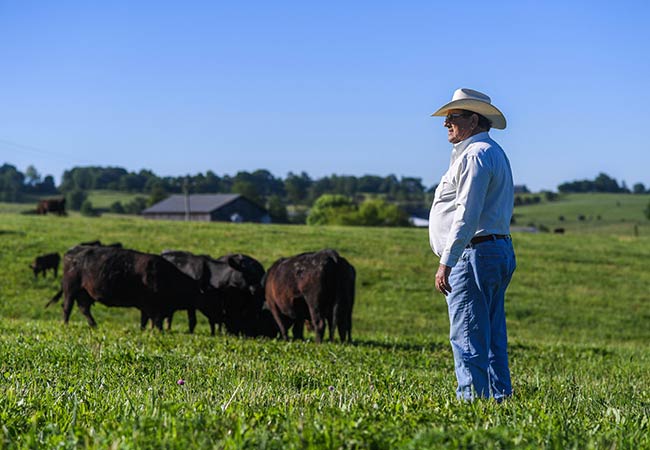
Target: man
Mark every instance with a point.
(469, 229)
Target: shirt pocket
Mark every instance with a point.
(445, 192)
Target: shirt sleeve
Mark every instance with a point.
(472, 179)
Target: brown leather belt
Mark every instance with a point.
(487, 237)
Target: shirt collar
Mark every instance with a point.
(460, 147)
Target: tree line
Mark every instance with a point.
(298, 190)
(602, 183)
(346, 193)
(15, 185)
(258, 186)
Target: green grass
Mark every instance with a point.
(578, 315)
(608, 213)
(102, 199)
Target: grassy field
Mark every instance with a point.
(601, 213)
(100, 199)
(578, 314)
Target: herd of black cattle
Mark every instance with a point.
(233, 290)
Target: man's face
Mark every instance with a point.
(460, 125)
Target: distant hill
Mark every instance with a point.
(589, 212)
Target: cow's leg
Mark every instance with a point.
(68, 303)
(144, 318)
(169, 319)
(85, 310)
(278, 320)
(157, 320)
(298, 329)
(333, 321)
(317, 322)
(344, 328)
(191, 317)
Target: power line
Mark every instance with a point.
(33, 149)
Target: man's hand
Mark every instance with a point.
(442, 279)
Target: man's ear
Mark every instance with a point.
(474, 120)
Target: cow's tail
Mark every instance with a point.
(56, 298)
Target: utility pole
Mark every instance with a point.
(186, 191)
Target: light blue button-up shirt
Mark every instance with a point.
(475, 197)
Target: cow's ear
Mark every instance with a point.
(233, 261)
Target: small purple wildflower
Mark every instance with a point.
(331, 388)
(180, 382)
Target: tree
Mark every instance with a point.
(638, 188)
(136, 206)
(32, 177)
(248, 190)
(297, 187)
(87, 209)
(75, 198)
(46, 186)
(11, 183)
(277, 209)
(602, 183)
(158, 194)
(117, 208)
(378, 212)
(332, 209)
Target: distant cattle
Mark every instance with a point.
(53, 205)
(233, 295)
(558, 231)
(317, 286)
(122, 277)
(44, 262)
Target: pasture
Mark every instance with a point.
(590, 213)
(578, 314)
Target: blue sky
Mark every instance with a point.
(322, 87)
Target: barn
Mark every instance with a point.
(208, 208)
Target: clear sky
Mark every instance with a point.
(337, 87)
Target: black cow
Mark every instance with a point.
(318, 286)
(122, 277)
(98, 243)
(44, 262)
(53, 205)
(234, 295)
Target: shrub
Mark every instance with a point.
(381, 213)
(117, 208)
(74, 199)
(158, 194)
(277, 209)
(136, 206)
(87, 209)
(332, 209)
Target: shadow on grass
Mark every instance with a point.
(12, 232)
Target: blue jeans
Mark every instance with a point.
(478, 321)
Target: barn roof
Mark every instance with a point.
(199, 203)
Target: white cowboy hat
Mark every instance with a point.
(477, 102)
